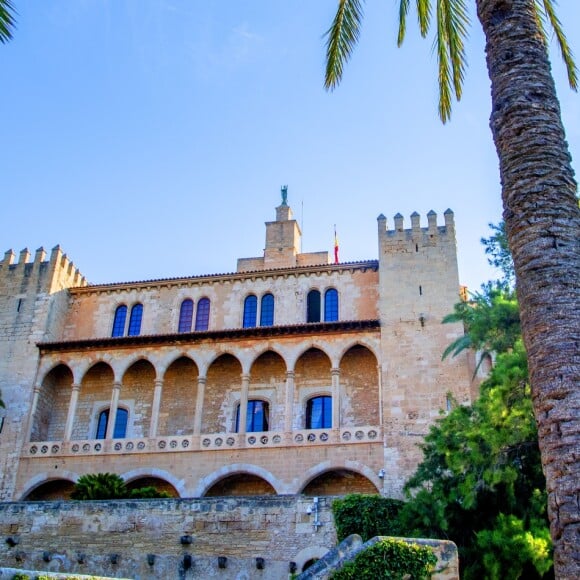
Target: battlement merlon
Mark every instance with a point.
(398, 232)
(50, 276)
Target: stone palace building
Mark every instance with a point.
(291, 375)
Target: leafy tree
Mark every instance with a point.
(498, 253)
(93, 486)
(541, 213)
(366, 515)
(6, 20)
(99, 486)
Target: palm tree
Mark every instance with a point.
(540, 211)
(6, 20)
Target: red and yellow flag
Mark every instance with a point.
(335, 246)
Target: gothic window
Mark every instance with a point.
(185, 316)
(331, 305)
(250, 311)
(202, 315)
(319, 413)
(313, 306)
(258, 417)
(135, 320)
(120, 429)
(267, 310)
(119, 322)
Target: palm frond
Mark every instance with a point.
(403, 12)
(458, 345)
(565, 51)
(424, 16)
(7, 20)
(444, 76)
(452, 25)
(342, 37)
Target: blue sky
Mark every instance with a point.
(150, 138)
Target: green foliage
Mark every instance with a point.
(148, 492)
(97, 486)
(491, 320)
(498, 253)
(451, 31)
(389, 558)
(366, 515)
(480, 483)
(20, 576)
(7, 20)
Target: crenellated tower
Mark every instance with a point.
(419, 284)
(33, 304)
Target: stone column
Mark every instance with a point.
(113, 410)
(155, 407)
(199, 405)
(335, 374)
(35, 396)
(289, 403)
(72, 409)
(244, 404)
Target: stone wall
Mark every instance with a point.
(150, 539)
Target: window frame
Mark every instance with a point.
(331, 305)
(202, 314)
(104, 415)
(325, 412)
(313, 306)
(267, 305)
(135, 320)
(119, 321)
(185, 315)
(250, 314)
(250, 416)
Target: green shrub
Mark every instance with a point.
(366, 515)
(20, 576)
(111, 486)
(148, 492)
(390, 559)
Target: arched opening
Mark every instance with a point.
(53, 490)
(268, 382)
(219, 408)
(360, 387)
(177, 409)
(312, 379)
(339, 482)
(240, 484)
(94, 397)
(137, 391)
(52, 409)
(156, 482)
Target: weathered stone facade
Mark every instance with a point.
(288, 337)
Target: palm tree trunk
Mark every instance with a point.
(543, 228)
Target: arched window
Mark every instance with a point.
(185, 316)
(319, 413)
(267, 310)
(258, 417)
(135, 320)
(331, 305)
(313, 306)
(202, 314)
(250, 311)
(119, 322)
(120, 424)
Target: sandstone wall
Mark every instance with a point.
(143, 539)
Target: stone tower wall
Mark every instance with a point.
(33, 308)
(418, 286)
